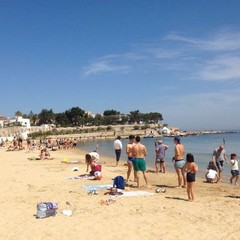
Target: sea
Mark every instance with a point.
(201, 146)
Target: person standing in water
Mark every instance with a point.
(117, 144)
(160, 149)
(218, 157)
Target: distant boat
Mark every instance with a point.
(149, 136)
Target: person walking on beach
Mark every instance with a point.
(130, 157)
(234, 168)
(160, 149)
(179, 161)
(139, 152)
(191, 168)
(117, 144)
(218, 157)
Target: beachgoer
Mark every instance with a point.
(45, 155)
(130, 157)
(92, 160)
(139, 152)
(160, 149)
(191, 168)
(234, 168)
(211, 174)
(179, 161)
(219, 156)
(117, 144)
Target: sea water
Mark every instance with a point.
(201, 146)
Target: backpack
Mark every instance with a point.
(118, 182)
(46, 209)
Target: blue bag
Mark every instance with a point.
(118, 182)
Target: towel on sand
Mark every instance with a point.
(96, 187)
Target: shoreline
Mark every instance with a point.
(24, 183)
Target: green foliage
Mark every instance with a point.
(110, 112)
(77, 117)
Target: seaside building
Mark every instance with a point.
(25, 122)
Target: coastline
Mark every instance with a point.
(168, 215)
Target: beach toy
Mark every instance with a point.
(160, 190)
(65, 160)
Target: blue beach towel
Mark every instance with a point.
(96, 187)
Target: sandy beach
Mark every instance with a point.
(24, 183)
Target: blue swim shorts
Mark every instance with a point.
(179, 164)
(131, 159)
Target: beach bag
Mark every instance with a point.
(118, 182)
(46, 209)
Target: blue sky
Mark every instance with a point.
(179, 58)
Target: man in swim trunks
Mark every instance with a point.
(130, 157)
(179, 161)
(139, 152)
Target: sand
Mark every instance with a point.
(24, 183)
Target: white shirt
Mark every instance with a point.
(234, 164)
(117, 144)
(94, 156)
(211, 174)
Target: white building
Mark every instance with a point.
(25, 122)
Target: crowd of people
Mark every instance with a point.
(186, 169)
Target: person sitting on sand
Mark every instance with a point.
(44, 154)
(211, 174)
(92, 160)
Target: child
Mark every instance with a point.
(234, 168)
(191, 168)
(212, 174)
(92, 159)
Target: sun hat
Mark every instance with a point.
(159, 140)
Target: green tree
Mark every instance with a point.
(46, 116)
(135, 116)
(110, 112)
(97, 119)
(75, 116)
(61, 119)
(33, 118)
(18, 114)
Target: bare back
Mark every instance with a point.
(139, 150)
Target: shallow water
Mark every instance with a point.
(201, 146)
